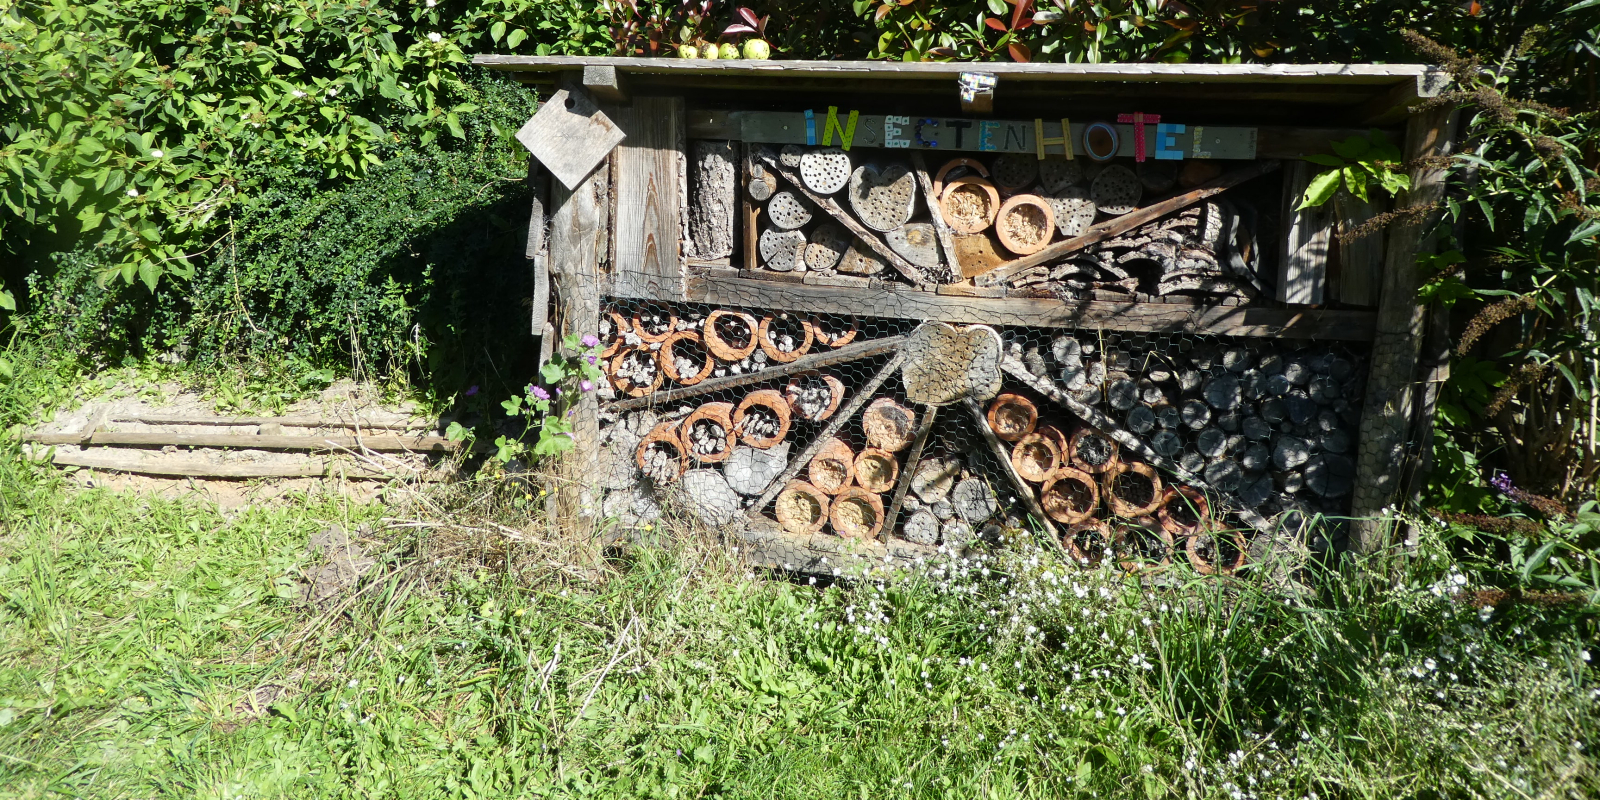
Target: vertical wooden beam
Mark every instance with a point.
(605, 83)
(578, 235)
(1392, 379)
(1361, 260)
(535, 250)
(649, 214)
(1303, 253)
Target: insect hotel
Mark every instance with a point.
(863, 311)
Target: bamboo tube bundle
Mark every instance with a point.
(876, 470)
(833, 468)
(801, 508)
(1012, 416)
(661, 455)
(1185, 512)
(831, 333)
(1070, 496)
(654, 325)
(708, 433)
(1086, 542)
(1141, 544)
(888, 425)
(730, 335)
(814, 395)
(1216, 552)
(1035, 456)
(785, 337)
(1132, 489)
(635, 372)
(856, 514)
(684, 358)
(762, 419)
(1092, 451)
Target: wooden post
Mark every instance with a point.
(578, 234)
(1392, 382)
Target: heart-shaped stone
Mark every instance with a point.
(944, 364)
(883, 199)
(825, 170)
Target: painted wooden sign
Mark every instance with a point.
(1142, 134)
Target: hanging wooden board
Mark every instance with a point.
(570, 135)
(1162, 141)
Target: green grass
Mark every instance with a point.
(156, 648)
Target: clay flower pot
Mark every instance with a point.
(969, 205)
(729, 335)
(1141, 544)
(856, 514)
(662, 439)
(833, 468)
(1092, 451)
(1184, 512)
(1216, 552)
(654, 332)
(624, 368)
(888, 425)
(835, 395)
(689, 345)
(618, 325)
(1133, 490)
(831, 334)
(1025, 224)
(775, 404)
(717, 415)
(876, 470)
(1086, 541)
(1070, 496)
(952, 165)
(772, 327)
(801, 508)
(1012, 416)
(1035, 456)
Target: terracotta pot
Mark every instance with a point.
(1081, 439)
(718, 413)
(1012, 416)
(963, 193)
(835, 389)
(1129, 537)
(833, 468)
(949, 166)
(639, 328)
(888, 425)
(856, 514)
(669, 362)
(801, 508)
(1020, 215)
(663, 438)
(763, 334)
(1131, 501)
(1035, 456)
(1070, 496)
(627, 386)
(1185, 511)
(619, 326)
(1079, 541)
(876, 470)
(839, 339)
(1212, 540)
(718, 343)
(774, 402)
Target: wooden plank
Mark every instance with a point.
(382, 443)
(535, 251)
(867, 237)
(605, 83)
(1303, 248)
(1395, 104)
(1125, 223)
(291, 421)
(891, 518)
(750, 216)
(712, 123)
(1386, 416)
(144, 463)
(904, 303)
(947, 241)
(854, 351)
(840, 418)
(570, 135)
(648, 223)
(1361, 260)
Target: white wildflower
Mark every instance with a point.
(434, 37)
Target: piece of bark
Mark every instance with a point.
(715, 198)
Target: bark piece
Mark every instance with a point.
(856, 514)
(711, 213)
(825, 170)
(1012, 416)
(762, 418)
(1070, 496)
(1116, 190)
(785, 337)
(802, 508)
(833, 467)
(888, 425)
(729, 335)
(750, 470)
(883, 199)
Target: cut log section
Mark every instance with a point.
(921, 527)
(707, 433)
(1087, 542)
(785, 337)
(801, 508)
(1058, 174)
(1092, 451)
(856, 514)
(1217, 552)
(826, 245)
(1014, 172)
(781, 250)
(973, 501)
(1070, 496)
(762, 418)
(859, 260)
(976, 254)
(654, 324)
(1012, 416)
(944, 364)
(969, 205)
(1116, 190)
(685, 359)
(1035, 456)
(1185, 512)
(888, 425)
(1073, 210)
(1025, 224)
(833, 468)
(787, 212)
(831, 332)
(635, 372)
(1132, 489)
(661, 455)
(915, 242)
(814, 396)
(883, 199)
(1141, 544)
(729, 335)
(933, 478)
(825, 170)
(876, 470)
(762, 184)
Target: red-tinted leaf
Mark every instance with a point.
(761, 30)
(749, 17)
(1183, 24)
(942, 52)
(737, 28)
(995, 24)
(883, 11)
(1474, 8)
(1024, 8)
(1019, 52)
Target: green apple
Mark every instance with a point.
(728, 50)
(757, 49)
(709, 52)
(688, 51)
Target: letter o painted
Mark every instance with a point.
(1100, 141)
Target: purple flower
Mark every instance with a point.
(540, 393)
(591, 341)
(1502, 482)
(472, 390)
(594, 359)
(587, 386)
(557, 391)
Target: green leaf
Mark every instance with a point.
(1355, 179)
(497, 30)
(998, 8)
(1581, 6)
(516, 37)
(1325, 160)
(454, 124)
(1353, 148)
(149, 273)
(1320, 189)
(1587, 230)
(291, 61)
(1537, 560)
(7, 302)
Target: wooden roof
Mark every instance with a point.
(1364, 94)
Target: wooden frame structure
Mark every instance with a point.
(618, 221)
